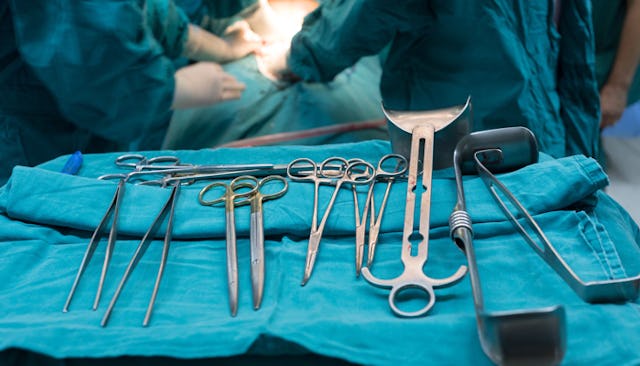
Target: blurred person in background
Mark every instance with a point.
(101, 75)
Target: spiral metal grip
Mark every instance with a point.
(459, 219)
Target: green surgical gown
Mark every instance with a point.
(523, 62)
(91, 75)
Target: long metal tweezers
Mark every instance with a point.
(167, 210)
(113, 211)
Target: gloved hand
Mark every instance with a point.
(203, 84)
(238, 42)
(242, 40)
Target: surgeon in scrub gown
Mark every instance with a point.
(527, 63)
(100, 76)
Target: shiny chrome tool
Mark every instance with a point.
(240, 187)
(256, 231)
(388, 175)
(138, 164)
(489, 161)
(421, 127)
(390, 167)
(514, 337)
(168, 210)
(334, 171)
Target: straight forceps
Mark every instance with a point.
(257, 232)
(138, 163)
(168, 209)
(390, 167)
(242, 186)
(333, 171)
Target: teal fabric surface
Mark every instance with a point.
(47, 219)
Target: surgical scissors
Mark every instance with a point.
(138, 163)
(256, 201)
(333, 171)
(229, 197)
(390, 167)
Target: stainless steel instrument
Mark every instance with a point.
(418, 130)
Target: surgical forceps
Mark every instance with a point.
(139, 164)
(333, 171)
(390, 167)
(192, 173)
(256, 232)
(232, 192)
(168, 209)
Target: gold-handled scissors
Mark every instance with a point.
(256, 199)
(242, 186)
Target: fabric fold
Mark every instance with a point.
(336, 313)
(46, 197)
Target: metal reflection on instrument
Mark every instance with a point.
(417, 129)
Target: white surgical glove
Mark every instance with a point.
(203, 84)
